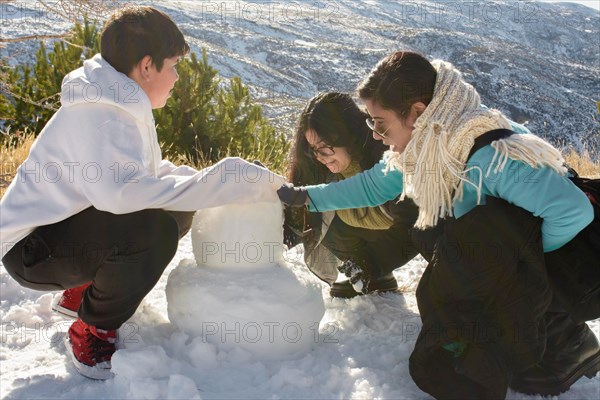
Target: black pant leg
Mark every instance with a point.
(346, 242)
(574, 275)
(138, 265)
(123, 256)
(425, 239)
(378, 252)
(184, 221)
(486, 289)
(392, 248)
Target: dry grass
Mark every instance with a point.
(12, 156)
(583, 164)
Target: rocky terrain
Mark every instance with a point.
(537, 62)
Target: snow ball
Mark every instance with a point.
(181, 387)
(151, 362)
(239, 235)
(203, 355)
(145, 388)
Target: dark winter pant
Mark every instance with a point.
(122, 255)
(378, 252)
(486, 287)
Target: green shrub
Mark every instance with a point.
(205, 120)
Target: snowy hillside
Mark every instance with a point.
(538, 62)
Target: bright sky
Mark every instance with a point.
(590, 3)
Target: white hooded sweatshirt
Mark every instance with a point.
(100, 149)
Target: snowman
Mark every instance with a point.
(241, 293)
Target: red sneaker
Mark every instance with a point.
(91, 349)
(69, 301)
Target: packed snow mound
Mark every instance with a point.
(240, 294)
(267, 312)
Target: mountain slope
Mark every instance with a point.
(536, 62)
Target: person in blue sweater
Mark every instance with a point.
(497, 226)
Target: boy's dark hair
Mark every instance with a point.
(339, 122)
(398, 81)
(135, 32)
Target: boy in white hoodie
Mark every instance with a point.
(94, 209)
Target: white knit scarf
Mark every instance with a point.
(433, 162)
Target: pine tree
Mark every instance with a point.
(182, 122)
(205, 120)
(33, 93)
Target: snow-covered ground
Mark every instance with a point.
(360, 351)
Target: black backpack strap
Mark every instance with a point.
(488, 137)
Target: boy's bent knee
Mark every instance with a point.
(152, 232)
(159, 226)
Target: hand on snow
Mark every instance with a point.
(292, 196)
(358, 278)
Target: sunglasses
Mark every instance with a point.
(371, 124)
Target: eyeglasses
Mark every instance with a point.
(323, 151)
(371, 124)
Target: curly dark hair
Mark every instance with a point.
(339, 122)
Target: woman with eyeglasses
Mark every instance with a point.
(513, 273)
(332, 143)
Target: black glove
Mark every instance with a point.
(256, 162)
(292, 196)
(291, 237)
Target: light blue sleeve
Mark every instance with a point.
(367, 189)
(564, 208)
